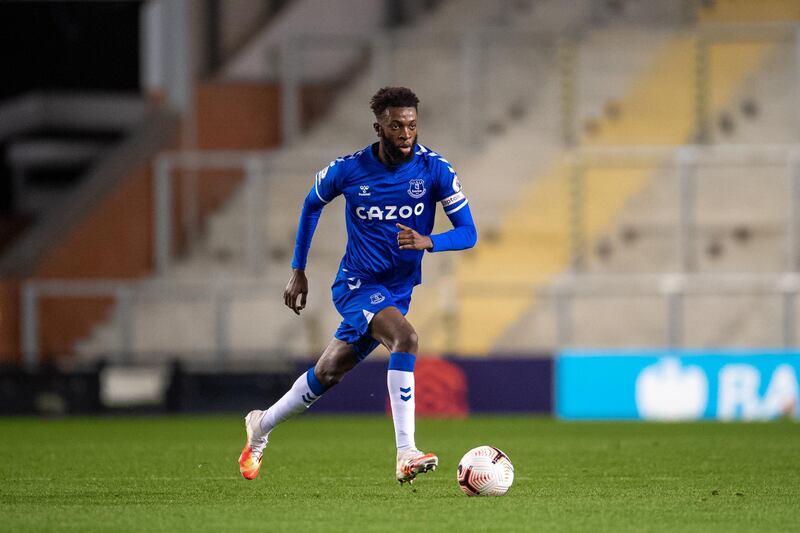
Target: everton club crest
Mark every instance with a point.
(376, 298)
(416, 188)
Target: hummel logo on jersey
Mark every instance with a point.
(376, 298)
(354, 286)
(416, 188)
(364, 190)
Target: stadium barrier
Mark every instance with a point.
(167, 387)
(258, 169)
(684, 163)
(665, 385)
(49, 392)
(451, 387)
(677, 292)
(649, 385)
(446, 387)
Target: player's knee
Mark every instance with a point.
(407, 341)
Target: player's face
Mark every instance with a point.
(397, 129)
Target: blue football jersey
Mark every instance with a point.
(378, 197)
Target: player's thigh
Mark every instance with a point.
(337, 359)
(391, 328)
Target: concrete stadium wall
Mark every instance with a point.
(9, 320)
(114, 240)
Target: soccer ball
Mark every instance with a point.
(485, 471)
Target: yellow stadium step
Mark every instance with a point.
(750, 11)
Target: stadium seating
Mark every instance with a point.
(259, 322)
(520, 203)
(740, 225)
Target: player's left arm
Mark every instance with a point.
(463, 235)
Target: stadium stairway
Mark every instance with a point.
(734, 206)
(740, 228)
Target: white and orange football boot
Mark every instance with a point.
(413, 462)
(250, 459)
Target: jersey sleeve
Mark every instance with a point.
(463, 235)
(448, 188)
(327, 186)
(328, 182)
(450, 193)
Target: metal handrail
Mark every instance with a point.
(219, 291)
(563, 289)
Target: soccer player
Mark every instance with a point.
(391, 189)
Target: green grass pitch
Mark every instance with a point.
(337, 474)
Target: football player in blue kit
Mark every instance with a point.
(391, 189)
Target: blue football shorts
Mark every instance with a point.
(358, 301)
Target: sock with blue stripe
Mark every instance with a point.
(305, 391)
(400, 380)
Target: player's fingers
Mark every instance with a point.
(400, 226)
(289, 298)
(303, 296)
(294, 305)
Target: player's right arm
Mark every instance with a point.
(326, 187)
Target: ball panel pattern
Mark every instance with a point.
(485, 471)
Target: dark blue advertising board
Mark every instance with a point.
(450, 387)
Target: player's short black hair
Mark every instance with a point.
(392, 97)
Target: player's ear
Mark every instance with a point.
(377, 128)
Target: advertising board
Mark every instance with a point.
(450, 387)
(676, 385)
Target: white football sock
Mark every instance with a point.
(305, 391)
(400, 380)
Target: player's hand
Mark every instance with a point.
(297, 286)
(409, 239)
